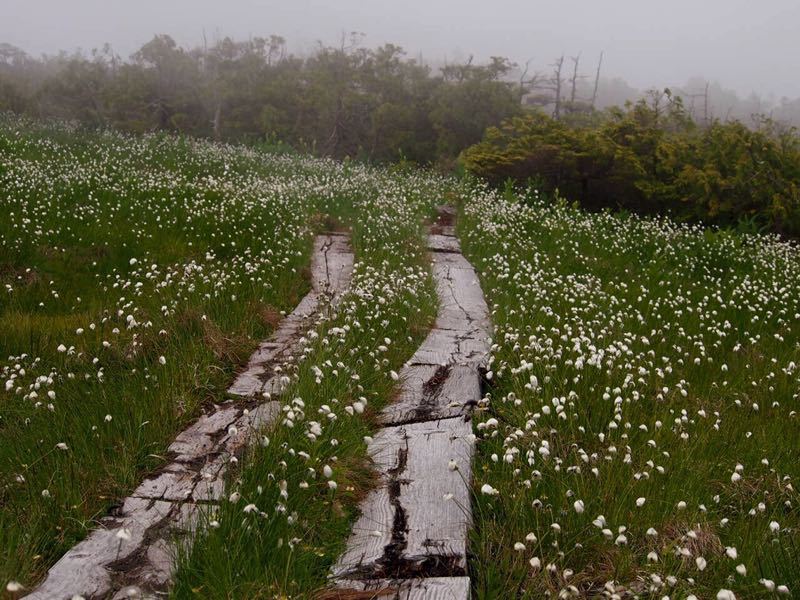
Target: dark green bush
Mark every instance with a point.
(651, 158)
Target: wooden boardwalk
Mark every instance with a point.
(131, 554)
(410, 541)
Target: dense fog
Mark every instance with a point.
(745, 46)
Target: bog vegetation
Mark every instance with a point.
(668, 152)
(137, 275)
(639, 431)
(640, 435)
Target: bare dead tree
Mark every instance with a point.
(597, 80)
(574, 80)
(522, 78)
(528, 84)
(457, 72)
(350, 41)
(728, 114)
(557, 82)
(465, 69)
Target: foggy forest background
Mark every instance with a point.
(341, 100)
(699, 152)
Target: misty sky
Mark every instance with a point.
(746, 45)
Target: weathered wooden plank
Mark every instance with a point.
(151, 569)
(210, 486)
(413, 527)
(248, 383)
(431, 588)
(461, 303)
(199, 438)
(451, 347)
(418, 519)
(340, 270)
(251, 382)
(437, 523)
(446, 212)
(154, 572)
(246, 428)
(460, 288)
(332, 258)
(429, 392)
(307, 306)
(85, 569)
(455, 259)
(331, 271)
(443, 243)
(266, 351)
(287, 331)
(88, 568)
(175, 483)
(452, 317)
(339, 262)
(319, 267)
(178, 482)
(106, 562)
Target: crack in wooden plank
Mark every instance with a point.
(453, 398)
(431, 588)
(427, 539)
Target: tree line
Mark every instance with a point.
(668, 151)
(340, 101)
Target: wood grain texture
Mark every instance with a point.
(422, 508)
(199, 439)
(450, 258)
(428, 392)
(175, 483)
(339, 262)
(443, 243)
(246, 428)
(331, 270)
(410, 539)
(451, 347)
(86, 569)
(431, 588)
(461, 298)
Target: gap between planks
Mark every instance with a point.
(132, 553)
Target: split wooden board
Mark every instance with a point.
(431, 588)
(421, 510)
(410, 540)
(430, 392)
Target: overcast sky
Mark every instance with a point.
(746, 45)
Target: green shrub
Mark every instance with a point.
(650, 158)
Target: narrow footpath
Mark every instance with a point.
(131, 554)
(410, 541)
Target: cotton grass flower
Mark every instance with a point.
(488, 490)
(14, 587)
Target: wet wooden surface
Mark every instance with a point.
(410, 540)
(431, 588)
